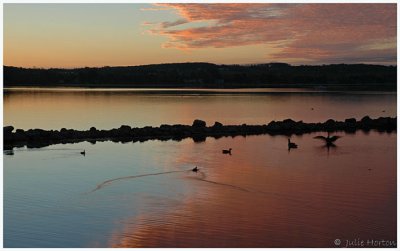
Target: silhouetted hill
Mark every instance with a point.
(206, 75)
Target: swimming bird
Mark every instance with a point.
(83, 153)
(291, 144)
(9, 152)
(195, 169)
(328, 140)
(227, 151)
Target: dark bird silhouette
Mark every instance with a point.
(10, 152)
(328, 140)
(195, 169)
(227, 151)
(83, 153)
(291, 144)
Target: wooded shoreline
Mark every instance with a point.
(207, 75)
(198, 131)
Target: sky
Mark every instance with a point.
(78, 35)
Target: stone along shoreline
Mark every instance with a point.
(198, 131)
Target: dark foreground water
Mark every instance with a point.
(142, 194)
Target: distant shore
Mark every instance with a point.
(206, 75)
(384, 87)
(198, 131)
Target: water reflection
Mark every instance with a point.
(106, 109)
(260, 196)
(304, 201)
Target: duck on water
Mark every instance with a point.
(227, 151)
(291, 144)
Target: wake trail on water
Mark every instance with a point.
(227, 185)
(202, 178)
(108, 182)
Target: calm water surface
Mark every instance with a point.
(144, 194)
(260, 196)
(106, 109)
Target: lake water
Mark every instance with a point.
(84, 108)
(144, 194)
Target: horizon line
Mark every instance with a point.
(194, 62)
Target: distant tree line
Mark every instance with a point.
(206, 75)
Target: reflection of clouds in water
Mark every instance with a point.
(281, 192)
(291, 197)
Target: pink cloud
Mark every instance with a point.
(318, 32)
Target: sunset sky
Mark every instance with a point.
(76, 35)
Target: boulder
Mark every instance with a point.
(36, 133)
(350, 121)
(350, 125)
(7, 133)
(366, 122)
(199, 123)
(93, 133)
(217, 124)
(124, 131)
(19, 135)
(289, 121)
(288, 124)
(330, 123)
(125, 128)
(366, 119)
(383, 122)
(274, 126)
(8, 129)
